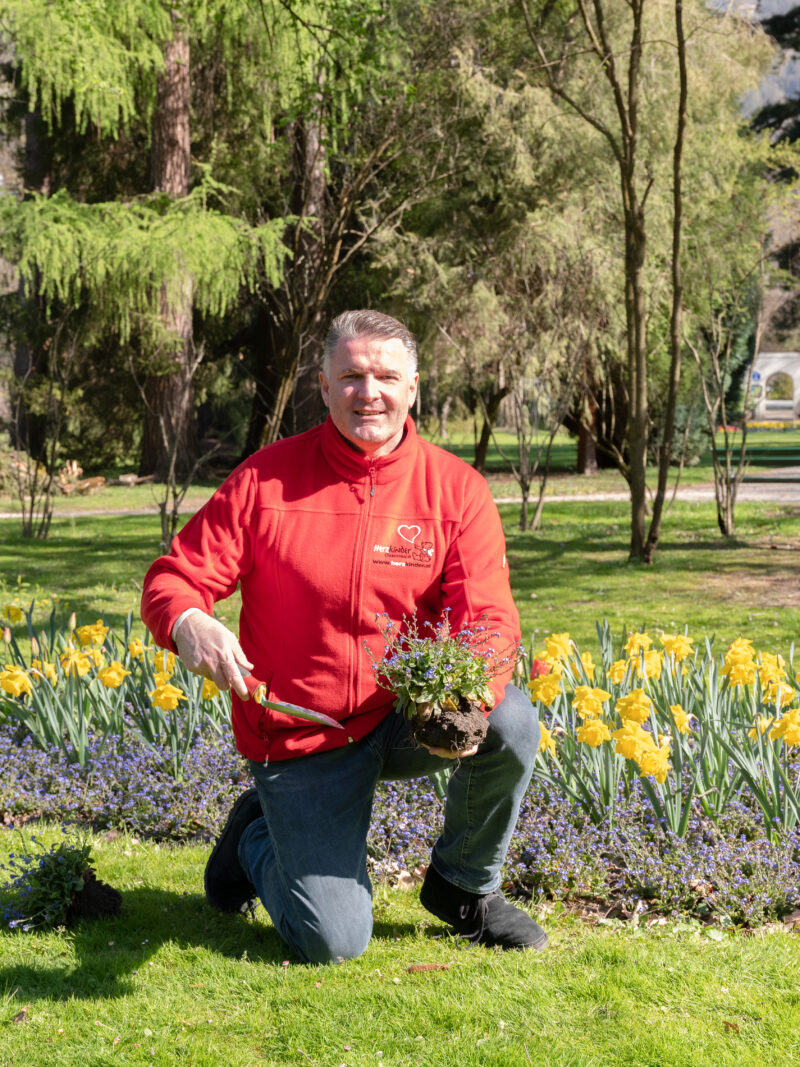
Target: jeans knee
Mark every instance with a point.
(332, 941)
(516, 724)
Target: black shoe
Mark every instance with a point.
(486, 919)
(227, 886)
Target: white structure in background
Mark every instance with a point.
(775, 389)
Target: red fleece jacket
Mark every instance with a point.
(323, 538)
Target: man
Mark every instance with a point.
(320, 531)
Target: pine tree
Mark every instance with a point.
(139, 264)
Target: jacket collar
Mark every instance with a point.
(355, 466)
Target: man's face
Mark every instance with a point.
(368, 390)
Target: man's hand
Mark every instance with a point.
(207, 647)
(445, 753)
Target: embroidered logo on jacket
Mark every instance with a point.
(404, 546)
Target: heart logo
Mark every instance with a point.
(409, 533)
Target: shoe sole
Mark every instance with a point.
(245, 798)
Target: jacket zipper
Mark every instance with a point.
(358, 583)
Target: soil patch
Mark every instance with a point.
(96, 900)
(454, 729)
(774, 587)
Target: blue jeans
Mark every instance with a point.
(307, 857)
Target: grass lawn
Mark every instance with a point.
(576, 571)
(173, 982)
(566, 576)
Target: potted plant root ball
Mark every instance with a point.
(55, 886)
(440, 679)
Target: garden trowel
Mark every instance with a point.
(258, 692)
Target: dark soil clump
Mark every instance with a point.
(454, 729)
(96, 900)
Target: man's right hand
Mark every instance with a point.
(207, 647)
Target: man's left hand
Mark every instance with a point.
(445, 753)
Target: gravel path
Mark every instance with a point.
(779, 492)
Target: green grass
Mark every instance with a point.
(576, 571)
(173, 982)
(565, 577)
(91, 564)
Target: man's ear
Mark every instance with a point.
(324, 388)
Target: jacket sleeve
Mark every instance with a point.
(207, 558)
(476, 585)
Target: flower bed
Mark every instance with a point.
(666, 782)
(730, 873)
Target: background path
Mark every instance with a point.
(771, 490)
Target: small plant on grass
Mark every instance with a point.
(53, 886)
(441, 679)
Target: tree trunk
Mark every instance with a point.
(490, 410)
(169, 427)
(676, 332)
(638, 424)
(28, 432)
(587, 449)
(295, 311)
(444, 412)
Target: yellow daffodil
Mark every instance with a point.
(772, 668)
(545, 688)
(593, 732)
(12, 613)
(135, 648)
(558, 646)
(780, 694)
(74, 662)
(649, 664)
(162, 677)
(113, 675)
(616, 672)
(636, 705)
(632, 740)
(547, 743)
(588, 702)
(167, 696)
(637, 642)
(588, 664)
(739, 673)
(681, 717)
(95, 634)
(210, 690)
(94, 655)
(787, 729)
(655, 762)
(762, 726)
(42, 670)
(556, 667)
(739, 650)
(678, 646)
(15, 682)
(164, 661)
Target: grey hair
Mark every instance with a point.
(366, 323)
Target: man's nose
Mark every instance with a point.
(369, 387)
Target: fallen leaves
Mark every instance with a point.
(407, 880)
(22, 1015)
